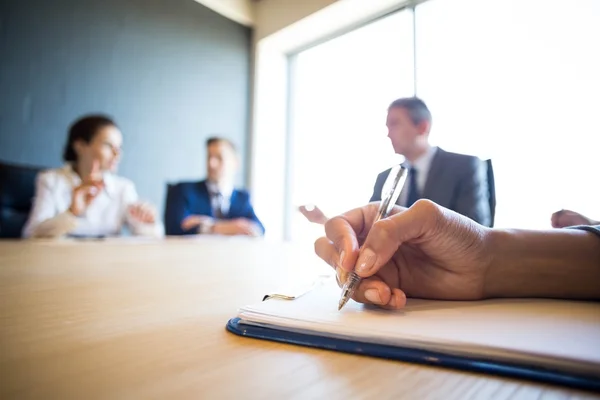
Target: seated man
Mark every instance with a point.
(455, 181)
(212, 206)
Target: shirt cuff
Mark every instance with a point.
(589, 228)
(206, 227)
(59, 225)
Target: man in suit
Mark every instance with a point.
(455, 181)
(212, 206)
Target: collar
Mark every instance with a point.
(225, 189)
(424, 162)
(107, 177)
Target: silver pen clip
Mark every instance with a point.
(293, 294)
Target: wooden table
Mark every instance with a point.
(127, 320)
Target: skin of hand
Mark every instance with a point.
(313, 214)
(143, 212)
(194, 221)
(564, 218)
(238, 226)
(84, 194)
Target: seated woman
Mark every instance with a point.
(86, 197)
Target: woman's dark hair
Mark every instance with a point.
(84, 129)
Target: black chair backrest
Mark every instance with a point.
(17, 189)
(168, 205)
(492, 190)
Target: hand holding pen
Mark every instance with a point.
(430, 252)
(391, 191)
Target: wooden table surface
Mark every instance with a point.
(128, 320)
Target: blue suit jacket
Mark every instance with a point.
(193, 198)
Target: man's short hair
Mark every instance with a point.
(215, 139)
(416, 108)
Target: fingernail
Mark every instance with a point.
(341, 276)
(366, 260)
(373, 296)
(397, 300)
(342, 255)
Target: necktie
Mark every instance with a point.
(217, 204)
(413, 190)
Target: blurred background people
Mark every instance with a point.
(86, 197)
(213, 205)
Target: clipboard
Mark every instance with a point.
(416, 356)
(480, 363)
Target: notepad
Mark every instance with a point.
(552, 335)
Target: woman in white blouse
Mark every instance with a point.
(86, 197)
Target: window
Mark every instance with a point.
(341, 90)
(517, 81)
(512, 80)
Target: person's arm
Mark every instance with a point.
(45, 220)
(563, 263)
(251, 216)
(137, 227)
(473, 193)
(176, 211)
(430, 252)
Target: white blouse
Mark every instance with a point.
(105, 216)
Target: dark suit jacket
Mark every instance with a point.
(193, 198)
(455, 181)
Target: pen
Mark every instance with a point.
(390, 192)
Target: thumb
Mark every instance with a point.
(89, 194)
(387, 235)
(188, 222)
(89, 190)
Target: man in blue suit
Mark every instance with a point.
(212, 206)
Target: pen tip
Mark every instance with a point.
(342, 303)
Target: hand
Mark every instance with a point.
(84, 194)
(564, 218)
(426, 251)
(194, 221)
(239, 226)
(313, 214)
(142, 212)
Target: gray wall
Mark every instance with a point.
(171, 72)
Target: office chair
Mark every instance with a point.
(17, 189)
(168, 205)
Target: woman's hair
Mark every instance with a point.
(84, 129)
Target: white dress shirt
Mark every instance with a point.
(226, 191)
(105, 216)
(422, 166)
